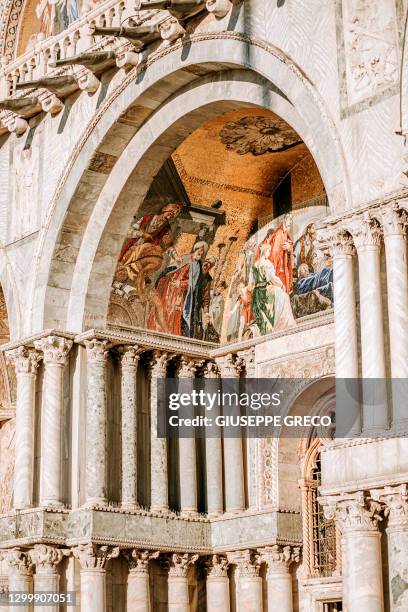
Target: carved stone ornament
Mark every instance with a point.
(25, 360)
(220, 8)
(171, 30)
(258, 135)
(47, 557)
(248, 359)
(247, 562)
(211, 370)
(395, 500)
(217, 566)
(366, 232)
(55, 349)
(93, 556)
(393, 220)
(180, 564)
(130, 356)
(158, 364)
(97, 351)
(357, 512)
(336, 241)
(279, 557)
(138, 560)
(229, 366)
(19, 560)
(188, 367)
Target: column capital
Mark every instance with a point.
(366, 232)
(180, 563)
(25, 360)
(138, 560)
(93, 556)
(280, 558)
(46, 557)
(188, 367)
(55, 349)
(217, 566)
(211, 370)
(18, 560)
(97, 351)
(358, 512)
(395, 501)
(229, 365)
(158, 364)
(130, 355)
(393, 220)
(247, 562)
(247, 358)
(337, 241)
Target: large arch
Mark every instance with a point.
(171, 79)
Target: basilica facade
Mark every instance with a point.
(200, 191)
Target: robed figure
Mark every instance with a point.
(281, 252)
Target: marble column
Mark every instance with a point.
(218, 590)
(249, 581)
(367, 238)
(357, 517)
(213, 452)
(46, 559)
(138, 585)
(187, 446)
(158, 446)
(253, 443)
(178, 596)
(25, 362)
(55, 351)
(394, 224)
(96, 423)
(129, 362)
(396, 508)
(279, 577)
(348, 408)
(233, 454)
(20, 574)
(93, 560)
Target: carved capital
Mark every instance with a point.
(211, 370)
(393, 220)
(138, 560)
(24, 360)
(47, 557)
(217, 566)
(279, 558)
(188, 367)
(130, 355)
(366, 232)
(229, 365)
(92, 556)
(342, 244)
(97, 351)
(248, 360)
(158, 364)
(357, 512)
(171, 29)
(19, 561)
(55, 349)
(395, 500)
(247, 562)
(180, 563)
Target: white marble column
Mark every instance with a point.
(279, 577)
(46, 559)
(96, 423)
(213, 452)
(357, 517)
(25, 362)
(138, 584)
(396, 508)
(158, 446)
(218, 589)
(367, 238)
(178, 596)
(249, 581)
(93, 560)
(253, 443)
(394, 224)
(187, 446)
(233, 453)
(55, 351)
(20, 574)
(129, 362)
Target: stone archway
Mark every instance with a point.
(153, 94)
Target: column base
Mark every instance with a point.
(95, 501)
(130, 507)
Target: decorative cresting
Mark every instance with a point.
(357, 516)
(97, 352)
(138, 586)
(279, 579)
(218, 589)
(178, 595)
(55, 350)
(93, 560)
(76, 58)
(25, 361)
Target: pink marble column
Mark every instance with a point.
(138, 584)
(46, 578)
(279, 578)
(93, 560)
(218, 589)
(178, 598)
(249, 581)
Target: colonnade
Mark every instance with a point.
(53, 350)
(38, 568)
